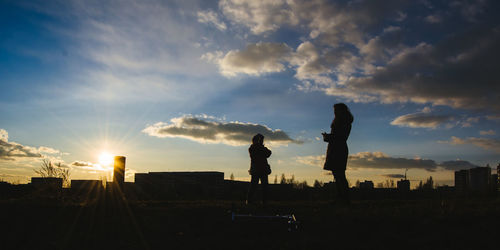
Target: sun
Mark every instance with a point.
(106, 159)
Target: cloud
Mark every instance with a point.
(380, 160)
(377, 64)
(493, 117)
(487, 132)
(384, 161)
(414, 74)
(211, 17)
(395, 176)
(485, 143)
(433, 19)
(255, 59)
(259, 16)
(13, 150)
(48, 150)
(206, 130)
(423, 119)
(81, 164)
(457, 165)
(377, 160)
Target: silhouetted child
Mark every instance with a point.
(337, 151)
(259, 168)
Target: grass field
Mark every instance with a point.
(383, 224)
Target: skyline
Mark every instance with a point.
(179, 86)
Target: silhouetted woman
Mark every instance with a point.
(337, 151)
(259, 168)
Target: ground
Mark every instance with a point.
(381, 224)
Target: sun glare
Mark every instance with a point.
(106, 159)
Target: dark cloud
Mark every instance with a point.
(460, 72)
(377, 63)
(395, 176)
(373, 160)
(379, 160)
(384, 161)
(204, 130)
(13, 150)
(457, 165)
(81, 164)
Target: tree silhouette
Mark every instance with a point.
(49, 170)
(231, 177)
(283, 179)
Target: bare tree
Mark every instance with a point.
(47, 170)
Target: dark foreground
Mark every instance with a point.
(386, 224)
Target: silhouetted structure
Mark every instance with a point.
(179, 184)
(461, 180)
(47, 183)
(366, 185)
(119, 172)
(90, 188)
(403, 185)
(475, 179)
(479, 178)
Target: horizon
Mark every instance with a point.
(183, 86)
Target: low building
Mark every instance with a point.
(403, 185)
(179, 184)
(86, 186)
(51, 184)
(366, 185)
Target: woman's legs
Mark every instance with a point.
(264, 182)
(342, 186)
(254, 182)
(253, 186)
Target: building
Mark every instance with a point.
(403, 185)
(475, 179)
(366, 185)
(479, 178)
(47, 183)
(87, 187)
(179, 184)
(119, 171)
(461, 180)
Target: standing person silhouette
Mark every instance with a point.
(337, 151)
(259, 168)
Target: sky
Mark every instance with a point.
(184, 85)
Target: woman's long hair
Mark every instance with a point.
(343, 115)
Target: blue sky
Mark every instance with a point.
(183, 85)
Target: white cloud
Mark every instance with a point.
(211, 17)
(256, 59)
(48, 150)
(423, 119)
(259, 15)
(433, 19)
(487, 132)
(13, 150)
(204, 130)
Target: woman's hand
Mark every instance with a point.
(325, 137)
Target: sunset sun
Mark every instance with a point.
(105, 159)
